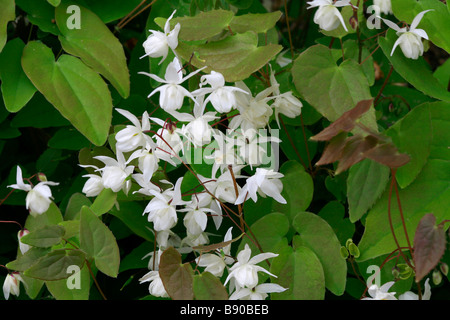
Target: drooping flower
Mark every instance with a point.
(158, 43)
(260, 292)
(254, 112)
(93, 186)
(133, 136)
(384, 5)
(224, 153)
(266, 183)
(410, 38)
(409, 295)
(172, 93)
(328, 16)
(285, 103)
(162, 208)
(217, 262)
(22, 246)
(381, 293)
(245, 270)
(38, 198)
(221, 97)
(156, 286)
(115, 172)
(198, 130)
(12, 285)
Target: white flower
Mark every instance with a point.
(224, 154)
(260, 292)
(22, 246)
(93, 186)
(161, 208)
(253, 145)
(172, 93)
(281, 60)
(115, 172)
(381, 293)
(245, 271)
(221, 97)
(409, 295)
(328, 16)
(147, 161)
(254, 112)
(384, 5)
(225, 189)
(198, 130)
(168, 141)
(216, 263)
(12, 285)
(156, 286)
(265, 182)
(410, 39)
(158, 43)
(39, 197)
(285, 103)
(133, 136)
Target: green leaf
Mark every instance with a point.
(44, 237)
(40, 13)
(416, 72)
(270, 232)
(204, 25)
(52, 216)
(17, 89)
(412, 135)
(256, 22)
(300, 271)
(60, 288)
(130, 213)
(8, 13)
(206, 286)
(176, 277)
(78, 93)
(334, 213)
(104, 202)
(54, 265)
(365, 184)
(317, 235)
(27, 260)
(95, 44)
(298, 189)
(99, 243)
(435, 22)
(110, 10)
(430, 192)
(236, 57)
(54, 3)
(315, 71)
(74, 205)
(68, 138)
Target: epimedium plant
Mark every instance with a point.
(202, 150)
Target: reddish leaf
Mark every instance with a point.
(388, 155)
(354, 150)
(176, 277)
(345, 123)
(429, 245)
(334, 149)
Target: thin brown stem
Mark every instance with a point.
(95, 280)
(383, 86)
(289, 29)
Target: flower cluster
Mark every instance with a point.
(147, 143)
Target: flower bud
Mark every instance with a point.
(22, 246)
(395, 273)
(347, 243)
(404, 271)
(344, 252)
(437, 277)
(353, 250)
(444, 268)
(42, 177)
